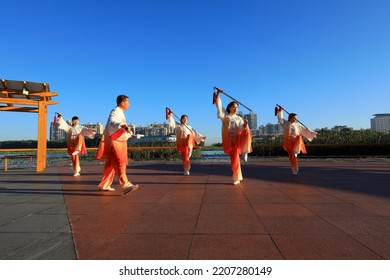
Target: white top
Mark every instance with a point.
(236, 123)
(115, 121)
(296, 128)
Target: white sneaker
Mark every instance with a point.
(236, 182)
(76, 174)
(245, 157)
(186, 173)
(107, 189)
(75, 153)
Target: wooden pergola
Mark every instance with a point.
(29, 97)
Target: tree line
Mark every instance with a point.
(330, 142)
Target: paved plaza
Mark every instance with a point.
(334, 209)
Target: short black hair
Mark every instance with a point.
(75, 118)
(121, 98)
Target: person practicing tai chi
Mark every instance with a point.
(186, 137)
(236, 135)
(113, 148)
(293, 130)
(75, 141)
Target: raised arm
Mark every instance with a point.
(62, 124)
(221, 113)
(279, 114)
(172, 122)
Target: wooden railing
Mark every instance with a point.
(8, 157)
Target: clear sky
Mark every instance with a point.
(326, 60)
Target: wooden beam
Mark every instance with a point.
(19, 109)
(21, 101)
(43, 94)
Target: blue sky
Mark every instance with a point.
(327, 60)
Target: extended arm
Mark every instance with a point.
(197, 136)
(88, 132)
(308, 133)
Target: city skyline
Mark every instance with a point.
(380, 123)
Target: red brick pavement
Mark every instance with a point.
(331, 210)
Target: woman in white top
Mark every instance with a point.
(75, 141)
(186, 137)
(292, 137)
(236, 136)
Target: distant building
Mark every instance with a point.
(270, 129)
(262, 130)
(252, 120)
(155, 132)
(150, 139)
(381, 122)
(154, 129)
(341, 127)
(57, 134)
(98, 127)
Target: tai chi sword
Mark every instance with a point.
(221, 91)
(289, 114)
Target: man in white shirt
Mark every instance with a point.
(113, 148)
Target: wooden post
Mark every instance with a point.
(42, 136)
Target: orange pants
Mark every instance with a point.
(116, 164)
(76, 163)
(234, 147)
(293, 147)
(234, 155)
(186, 160)
(183, 146)
(79, 145)
(293, 160)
